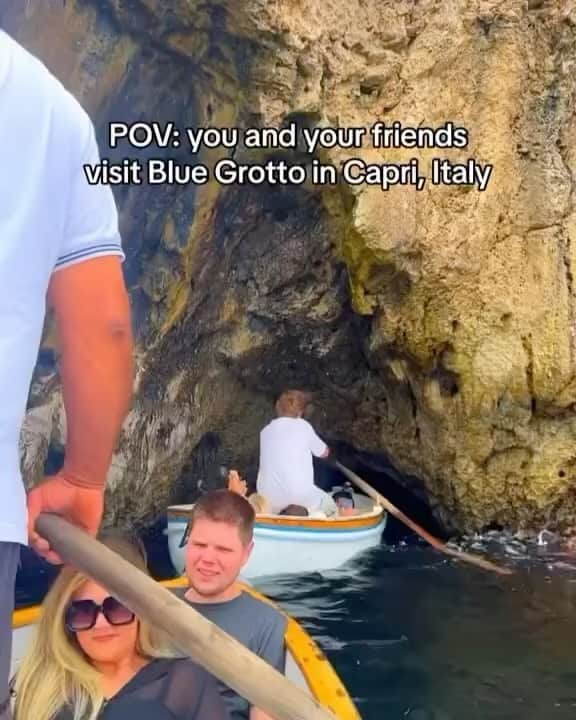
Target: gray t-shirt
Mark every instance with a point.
(257, 625)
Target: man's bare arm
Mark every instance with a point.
(92, 312)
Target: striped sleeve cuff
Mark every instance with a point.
(88, 253)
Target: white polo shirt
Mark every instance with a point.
(50, 217)
(286, 469)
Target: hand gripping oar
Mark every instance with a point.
(438, 544)
(223, 656)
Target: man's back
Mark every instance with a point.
(49, 219)
(286, 469)
(255, 624)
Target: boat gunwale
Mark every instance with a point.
(363, 520)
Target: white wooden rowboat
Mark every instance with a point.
(306, 664)
(293, 545)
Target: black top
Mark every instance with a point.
(165, 689)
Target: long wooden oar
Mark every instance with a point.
(230, 661)
(438, 544)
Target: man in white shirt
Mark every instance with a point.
(59, 243)
(286, 469)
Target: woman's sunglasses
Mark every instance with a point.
(82, 614)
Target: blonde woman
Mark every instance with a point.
(91, 658)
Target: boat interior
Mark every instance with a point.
(364, 505)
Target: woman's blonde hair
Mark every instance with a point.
(55, 672)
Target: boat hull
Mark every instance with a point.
(289, 545)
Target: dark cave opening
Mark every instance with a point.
(403, 491)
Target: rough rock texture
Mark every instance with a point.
(436, 326)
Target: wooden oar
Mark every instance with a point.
(438, 544)
(223, 656)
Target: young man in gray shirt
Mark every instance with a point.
(220, 540)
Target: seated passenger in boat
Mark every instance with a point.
(237, 484)
(92, 658)
(219, 543)
(286, 469)
(294, 511)
(344, 499)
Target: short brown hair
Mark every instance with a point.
(292, 403)
(228, 507)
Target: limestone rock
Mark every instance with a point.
(436, 326)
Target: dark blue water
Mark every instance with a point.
(414, 635)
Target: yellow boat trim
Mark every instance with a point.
(323, 681)
(26, 616)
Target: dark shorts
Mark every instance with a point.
(9, 560)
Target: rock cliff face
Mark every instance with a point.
(435, 326)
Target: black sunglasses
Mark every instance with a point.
(82, 614)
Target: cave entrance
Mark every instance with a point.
(406, 492)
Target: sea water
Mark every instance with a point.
(416, 635)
